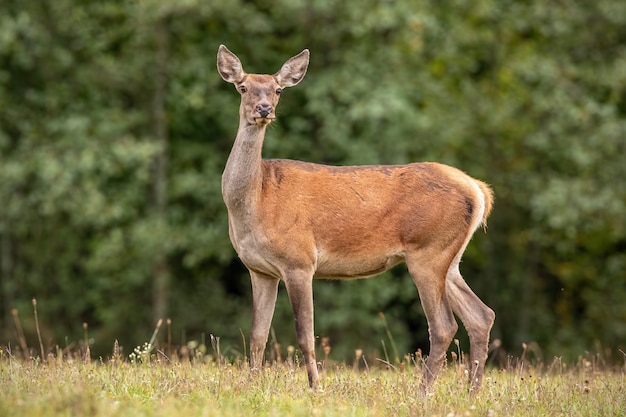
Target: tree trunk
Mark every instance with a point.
(161, 274)
(6, 276)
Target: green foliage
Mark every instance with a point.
(528, 96)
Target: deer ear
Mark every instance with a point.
(229, 66)
(293, 71)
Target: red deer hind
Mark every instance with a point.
(297, 221)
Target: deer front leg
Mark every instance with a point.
(264, 292)
(300, 289)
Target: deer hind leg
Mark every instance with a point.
(430, 279)
(264, 292)
(477, 319)
(300, 290)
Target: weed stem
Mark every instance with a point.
(43, 356)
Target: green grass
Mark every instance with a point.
(65, 386)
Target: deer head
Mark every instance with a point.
(260, 93)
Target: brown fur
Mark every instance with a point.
(297, 221)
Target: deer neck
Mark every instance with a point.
(241, 180)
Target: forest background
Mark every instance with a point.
(115, 128)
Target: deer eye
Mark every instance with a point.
(243, 88)
(279, 90)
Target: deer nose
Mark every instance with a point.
(264, 109)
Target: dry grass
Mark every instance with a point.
(69, 385)
(196, 380)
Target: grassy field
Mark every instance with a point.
(148, 385)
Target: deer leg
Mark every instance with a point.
(430, 283)
(477, 319)
(300, 289)
(264, 292)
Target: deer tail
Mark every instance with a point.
(488, 197)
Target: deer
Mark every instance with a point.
(298, 221)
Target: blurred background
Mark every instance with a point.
(115, 127)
